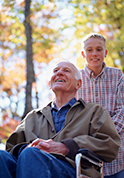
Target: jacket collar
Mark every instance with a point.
(47, 108)
(46, 111)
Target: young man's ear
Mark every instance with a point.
(106, 52)
(82, 53)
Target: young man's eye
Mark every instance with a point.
(89, 50)
(99, 49)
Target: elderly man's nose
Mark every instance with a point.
(60, 72)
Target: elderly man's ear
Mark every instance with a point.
(49, 84)
(79, 83)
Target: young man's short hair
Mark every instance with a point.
(92, 35)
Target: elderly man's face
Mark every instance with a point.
(63, 78)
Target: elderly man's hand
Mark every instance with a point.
(50, 146)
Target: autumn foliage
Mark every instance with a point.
(55, 33)
(7, 127)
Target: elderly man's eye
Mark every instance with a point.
(55, 70)
(67, 70)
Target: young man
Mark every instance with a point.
(45, 143)
(105, 86)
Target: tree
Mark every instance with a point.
(7, 127)
(105, 17)
(41, 47)
(56, 29)
(29, 59)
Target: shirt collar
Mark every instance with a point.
(90, 74)
(70, 103)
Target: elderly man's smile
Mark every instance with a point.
(60, 80)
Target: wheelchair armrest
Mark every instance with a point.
(85, 158)
(91, 155)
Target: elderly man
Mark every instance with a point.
(46, 141)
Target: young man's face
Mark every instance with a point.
(63, 78)
(94, 53)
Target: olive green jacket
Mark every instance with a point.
(86, 126)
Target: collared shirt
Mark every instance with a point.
(107, 89)
(60, 115)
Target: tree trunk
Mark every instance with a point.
(29, 59)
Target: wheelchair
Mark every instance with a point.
(87, 159)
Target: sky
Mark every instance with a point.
(2, 146)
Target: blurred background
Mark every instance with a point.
(35, 35)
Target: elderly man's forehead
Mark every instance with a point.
(65, 64)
